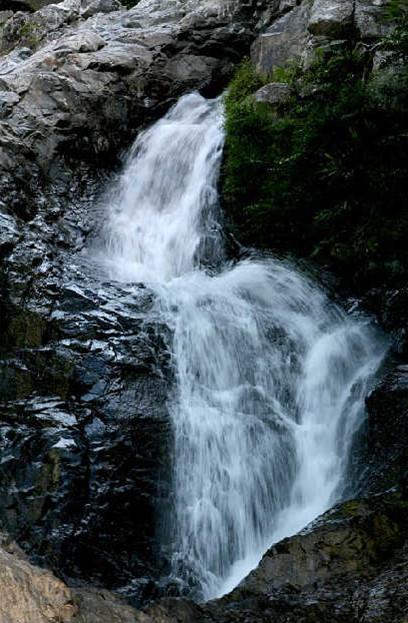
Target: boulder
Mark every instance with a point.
(369, 19)
(88, 9)
(284, 41)
(274, 93)
(331, 18)
(33, 595)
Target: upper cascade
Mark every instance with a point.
(163, 211)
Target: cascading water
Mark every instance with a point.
(270, 375)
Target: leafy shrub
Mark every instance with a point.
(325, 175)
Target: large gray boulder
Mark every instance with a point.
(369, 19)
(273, 93)
(285, 40)
(331, 18)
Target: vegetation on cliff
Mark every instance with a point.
(324, 174)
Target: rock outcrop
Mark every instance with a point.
(296, 29)
(351, 565)
(79, 81)
(33, 595)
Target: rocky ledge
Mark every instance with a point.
(351, 565)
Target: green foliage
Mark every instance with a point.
(28, 35)
(326, 174)
(397, 42)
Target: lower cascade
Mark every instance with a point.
(271, 376)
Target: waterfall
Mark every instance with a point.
(271, 376)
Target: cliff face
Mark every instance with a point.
(83, 385)
(77, 80)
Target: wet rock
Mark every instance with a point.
(84, 435)
(92, 77)
(8, 229)
(384, 460)
(349, 565)
(84, 379)
(84, 373)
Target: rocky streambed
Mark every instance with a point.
(84, 377)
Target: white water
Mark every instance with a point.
(271, 376)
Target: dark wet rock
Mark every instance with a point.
(384, 460)
(349, 565)
(85, 434)
(84, 371)
(84, 380)
(8, 231)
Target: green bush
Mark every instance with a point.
(325, 175)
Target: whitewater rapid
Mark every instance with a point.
(271, 376)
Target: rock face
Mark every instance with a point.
(297, 28)
(385, 458)
(349, 565)
(331, 18)
(84, 381)
(32, 595)
(286, 39)
(83, 423)
(83, 82)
